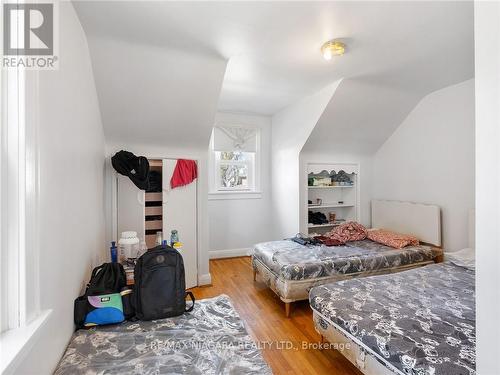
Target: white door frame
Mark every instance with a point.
(114, 211)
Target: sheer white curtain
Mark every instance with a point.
(235, 138)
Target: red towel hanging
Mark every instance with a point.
(185, 172)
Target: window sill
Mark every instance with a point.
(16, 343)
(221, 195)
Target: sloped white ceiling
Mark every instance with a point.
(273, 47)
(153, 95)
(159, 64)
(359, 118)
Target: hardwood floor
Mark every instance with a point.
(264, 315)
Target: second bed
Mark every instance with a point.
(291, 269)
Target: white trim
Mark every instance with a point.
(14, 194)
(230, 253)
(17, 343)
(205, 279)
(221, 195)
(32, 191)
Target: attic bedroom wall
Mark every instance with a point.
(71, 214)
(291, 128)
(235, 225)
(430, 159)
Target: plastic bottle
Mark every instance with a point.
(114, 252)
(159, 238)
(142, 249)
(128, 245)
(174, 237)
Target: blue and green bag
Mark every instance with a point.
(102, 302)
(104, 309)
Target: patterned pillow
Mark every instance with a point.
(392, 239)
(350, 231)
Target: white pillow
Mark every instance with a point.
(465, 257)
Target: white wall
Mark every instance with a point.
(430, 159)
(360, 117)
(290, 129)
(71, 202)
(487, 56)
(235, 225)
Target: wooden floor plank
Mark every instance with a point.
(264, 315)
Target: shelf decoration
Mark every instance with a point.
(332, 198)
(325, 178)
(320, 179)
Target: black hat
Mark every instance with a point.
(135, 167)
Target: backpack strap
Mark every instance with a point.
(191, 295)
(95, 271)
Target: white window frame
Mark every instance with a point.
(13, 199)
(253, 191)
(21, 316)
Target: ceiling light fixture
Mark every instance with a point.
(332, 48)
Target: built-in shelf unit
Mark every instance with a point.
(330, 196)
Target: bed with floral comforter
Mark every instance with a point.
(420, 321)
(291, 269)
(212, 339)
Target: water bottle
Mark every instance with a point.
(143, 248)
(114, 252)
(174, 237)
(159, 238)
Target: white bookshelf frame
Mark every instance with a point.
(317, 167)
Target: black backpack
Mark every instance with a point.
(160, 285)
(106, 279)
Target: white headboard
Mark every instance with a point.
(421, 220)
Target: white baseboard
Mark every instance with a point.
(205, 279)
(230, 253)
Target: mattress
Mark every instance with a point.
(420, 321)
(292, 261)
(212, 339)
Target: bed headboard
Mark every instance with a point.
(420, 220)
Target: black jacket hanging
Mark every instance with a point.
(134, 167)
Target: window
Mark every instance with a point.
(13, 201)
(234, 161)
(235, 170)
(20, 313)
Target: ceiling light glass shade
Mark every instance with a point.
(332, 48)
